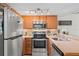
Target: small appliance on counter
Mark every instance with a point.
(63, 31)
(52, 34)
(27, 33)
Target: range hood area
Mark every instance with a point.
(39, 29)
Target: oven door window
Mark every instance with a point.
(39, 44)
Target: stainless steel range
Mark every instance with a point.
(39, 44)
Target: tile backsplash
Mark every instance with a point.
(27, 32)
(49, 32)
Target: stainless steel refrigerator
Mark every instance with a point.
(13, 33)
(1, 32)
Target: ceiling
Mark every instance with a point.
(55, 8)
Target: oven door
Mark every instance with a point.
(39, 44)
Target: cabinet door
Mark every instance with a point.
(35, 18)
(50, 49)
(39, 18)
(51, 22)
(27, 46)
(27, 22)
(43, 18)
(28, 51)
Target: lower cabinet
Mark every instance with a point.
(27, 46)
(50, 48)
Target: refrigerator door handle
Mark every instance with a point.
(13, 38)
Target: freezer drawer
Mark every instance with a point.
(1, 45)
(13, 47)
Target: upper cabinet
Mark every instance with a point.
(35, 18)
(52, 22)
(38, 18)
(27, 22)
(43, 18)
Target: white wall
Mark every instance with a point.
(74, 28)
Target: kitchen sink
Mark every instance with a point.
(58, 39)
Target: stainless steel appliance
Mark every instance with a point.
(39, 24)
(1, 32)
(12, 34)
(39, 34)
(39, 44)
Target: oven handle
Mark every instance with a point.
(39, 39)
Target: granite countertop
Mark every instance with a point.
(68, 47)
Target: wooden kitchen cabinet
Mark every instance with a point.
(27, 22)
(36, 18)
(43, 18)
(50, 48)
(52, 22)
(27, 46)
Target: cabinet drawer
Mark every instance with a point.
(26, 46)
(29, 52)
(28, 49)
(28, 39)
(28, 42)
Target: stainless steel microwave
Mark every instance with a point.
(39, 26)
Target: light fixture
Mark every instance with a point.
(38, 11)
